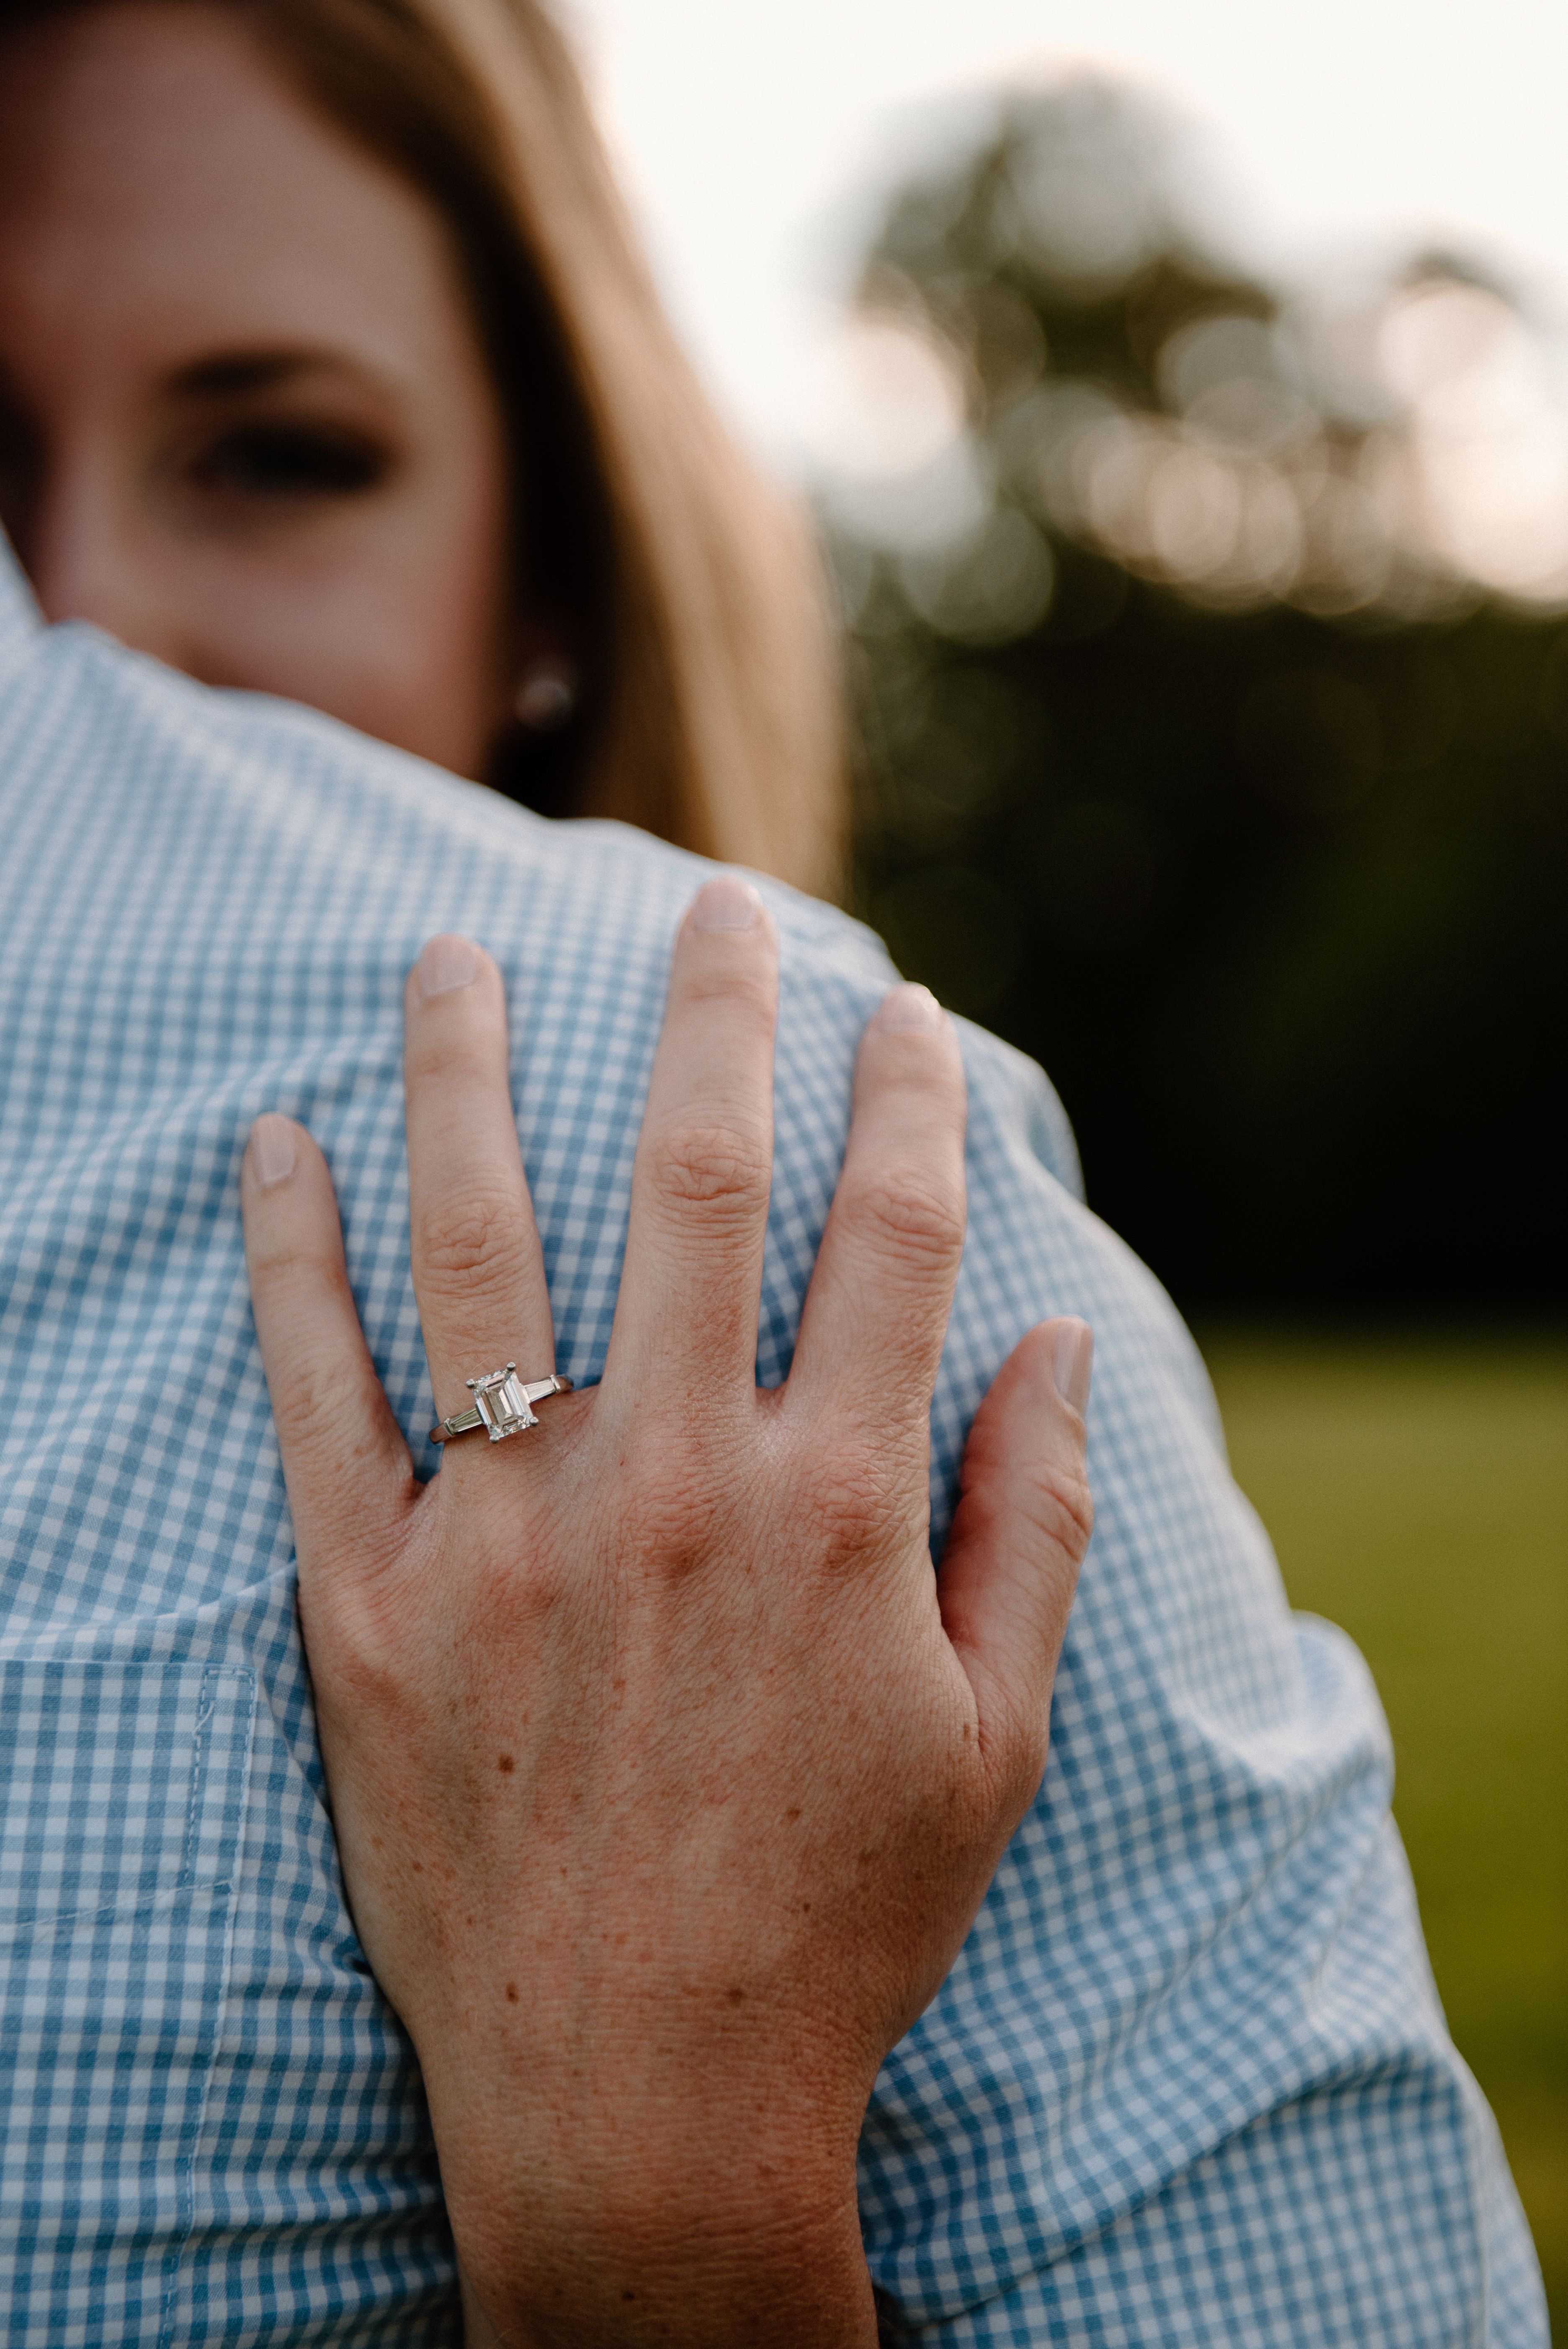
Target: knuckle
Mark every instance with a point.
(355, 1628)
(307, 1405)
(1029, 1742)
(1015, 1730)
(462, 1047)
(277, 1253)
(1058, 1508)
(517, 1598)
(914, 1219)
(672, 1520)
(323, 1428)
(480, 1233)
(744, 985)
(713, 1167)
(687, 1490)
(862, 1503)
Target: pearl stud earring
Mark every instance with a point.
(546, 696)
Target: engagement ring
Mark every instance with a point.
(501, 1403)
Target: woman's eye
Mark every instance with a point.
(289, 460)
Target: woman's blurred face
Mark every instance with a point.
(245, 423)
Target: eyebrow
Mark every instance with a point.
(228, 373)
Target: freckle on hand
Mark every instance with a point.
(511, 1993)
(506, 1765)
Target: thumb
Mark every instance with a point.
(1020, 1534)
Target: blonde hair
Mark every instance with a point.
(716, 720)
(711, 711)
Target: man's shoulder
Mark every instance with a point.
(294, 868)
(130, 755)
(190, 803)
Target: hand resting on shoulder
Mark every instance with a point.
(668, 1778)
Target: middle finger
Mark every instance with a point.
(686, 1321)
(478, 1272)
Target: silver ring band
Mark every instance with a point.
(501, 1404)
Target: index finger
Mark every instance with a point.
(345, 1461)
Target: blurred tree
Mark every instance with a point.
(1212, 688)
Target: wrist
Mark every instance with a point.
(602, 2209)
(670, 2259)
(622, 2165)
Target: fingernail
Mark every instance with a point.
(272, 1150)
(726, 903)
(446, 965)
(1074, 1365)
(908, 1007)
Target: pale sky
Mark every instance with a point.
(1340, 127)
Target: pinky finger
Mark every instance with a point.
(1018, 1538)
(345, 1461)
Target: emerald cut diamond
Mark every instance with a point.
(502, 1403)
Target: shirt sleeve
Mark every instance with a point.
(1188, 2081)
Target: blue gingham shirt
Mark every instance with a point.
(1187, 2083)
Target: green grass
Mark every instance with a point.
(1417, 1493)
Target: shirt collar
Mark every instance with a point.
(19, 618)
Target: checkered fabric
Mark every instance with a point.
(1187, 2083)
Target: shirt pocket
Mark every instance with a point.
(122, 1798)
